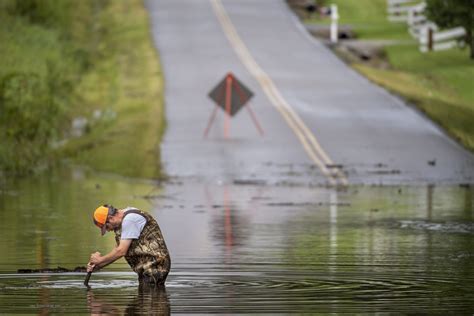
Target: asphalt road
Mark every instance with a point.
(323, 122)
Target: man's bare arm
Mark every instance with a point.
(118, 252)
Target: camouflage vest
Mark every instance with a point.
(147, 255)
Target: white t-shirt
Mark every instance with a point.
(132, 225)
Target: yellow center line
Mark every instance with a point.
(305, 136)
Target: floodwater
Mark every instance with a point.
(242, 247)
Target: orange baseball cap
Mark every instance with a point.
(100, 217)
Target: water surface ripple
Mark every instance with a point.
(243, 248)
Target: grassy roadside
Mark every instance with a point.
(126, 88)
(439, 83)
(89, 62)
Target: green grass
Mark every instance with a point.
(368, 18)
(128, 83)
(440, 83)
(69, 59)
(42, 44)
(37, 70)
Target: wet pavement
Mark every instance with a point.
(319, 116)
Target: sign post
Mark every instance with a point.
(334, 21)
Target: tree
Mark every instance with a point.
(453, 13)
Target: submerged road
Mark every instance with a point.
(323, 123)
(253, 223)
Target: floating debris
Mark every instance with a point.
(451, 227)
(53, 270)
(249, 182)
(392, 171)
(334, 166)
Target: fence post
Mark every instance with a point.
(334, 18)
(422, 39)
(430, 38)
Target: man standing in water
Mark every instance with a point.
(138, 239)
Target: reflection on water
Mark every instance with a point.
(146, 301)
(111, 294)
(243, 248)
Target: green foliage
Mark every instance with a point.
(127, 84)
(31, 108)
(24, 97)
(36, 75)
(45, 12)
(453, 13)
(94, 59)
(46, 48)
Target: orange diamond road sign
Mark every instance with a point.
(230, 94)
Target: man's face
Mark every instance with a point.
(112, 223)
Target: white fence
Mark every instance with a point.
(417, 20)
(397, 10)
(424, 30)
(432, 40)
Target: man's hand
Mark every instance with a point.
(95, 259)
(98, 261)
(90, 267)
